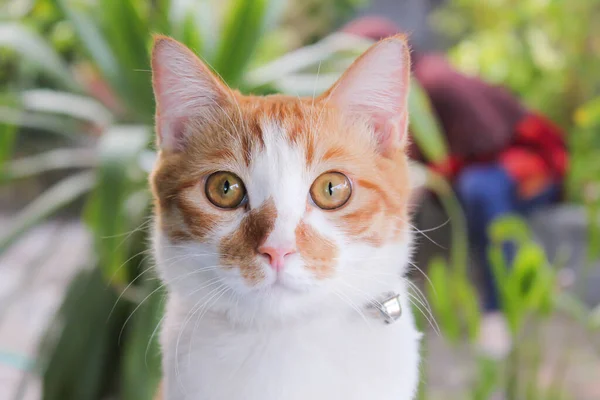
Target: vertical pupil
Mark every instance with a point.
(330, 188)
(226, 187)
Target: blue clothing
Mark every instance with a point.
(486, 193)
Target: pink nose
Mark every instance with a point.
(276, 255)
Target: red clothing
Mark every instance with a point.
(484, 123)
(535, 158)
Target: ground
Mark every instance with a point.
(36, 270)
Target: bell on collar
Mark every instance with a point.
(390, 308)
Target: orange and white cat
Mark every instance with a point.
(280, 221)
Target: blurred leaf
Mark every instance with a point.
(8, 135)
(128, 37)
(159, 14)
(507, 288)
(94, 42)
(245, 23)
(37, 51)
(572, 306)
(16, 8)
(593, 222)
(424, 126)
(440, 298)
(193, 23)
(526, 267)
(57, 125)
(459, 250)
(588, 115)
(75, 106)
(81, 348)
(468, 305)
(190, 35)
(49, 161)
(52, 200)
(141, 359)
(487, 379)
(594, 322)
(120, 148)
(283, 71)
(510, 228)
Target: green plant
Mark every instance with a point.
(103, 342)
(550, 61)
(530, 46)
(584, 177)
(527, 290)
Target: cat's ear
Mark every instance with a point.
(184, 87)
(375, 88)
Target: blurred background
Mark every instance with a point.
(507, 291)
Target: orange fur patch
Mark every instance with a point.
(240, 248)
(317, 251)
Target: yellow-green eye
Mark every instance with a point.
(331, 190)
(225, 190)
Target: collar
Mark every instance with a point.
(388, 308)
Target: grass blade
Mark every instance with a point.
(141, 359)
(460, 240)
(49, 202)
(52, 160)
(93, 41)
(279, 71)
(192, 22)
(245, 23)
(57, 125)
(80, 350)
(424, 127)
(128, 36)
(106, 213)
(8, 135)
(37, 51)
(68, 104)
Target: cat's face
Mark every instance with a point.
(273, 206)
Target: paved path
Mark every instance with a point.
(34, 274)
(569, 355)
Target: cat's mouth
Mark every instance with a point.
(285, 284)
(282, 285)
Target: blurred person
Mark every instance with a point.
(503, 158)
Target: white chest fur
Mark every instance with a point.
(336, 358)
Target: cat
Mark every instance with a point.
(279, 223)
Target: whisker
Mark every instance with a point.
(437, 227)
(424, 275)
(158, 325)
(134, 311)
(191, 314)
(349, 302)
(156, 290)
(207, 304)
(435, 327)
(149, 251)
(417, 230)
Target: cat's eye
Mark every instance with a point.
(225, 190)
(331, 190)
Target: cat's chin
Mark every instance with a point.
(275, 304)
(283, 288)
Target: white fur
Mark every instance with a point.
(301, 339)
